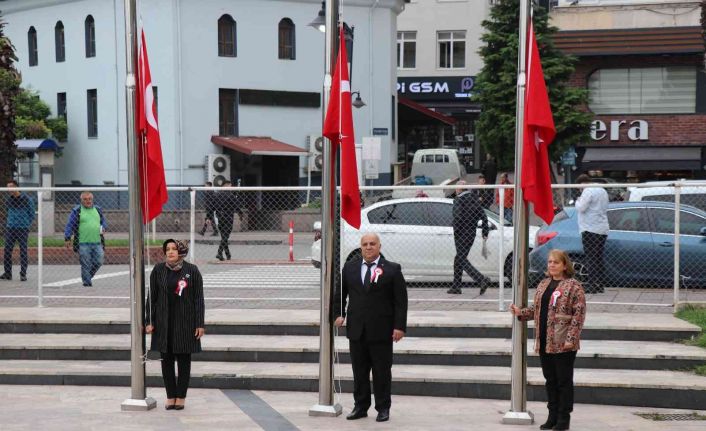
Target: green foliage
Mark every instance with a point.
(32, 118)
(496, 85)
(9, 86)
(58, 127)
(29, 105)
(697, 316)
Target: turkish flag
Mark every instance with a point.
(539, 131)
(338, 128)
(153, 186)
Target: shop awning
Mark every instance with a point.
(638, 41)
(410, 110)
(642, 158)
(34, 145)
(258, 146)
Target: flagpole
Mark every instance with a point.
(518, 413)
(138, 399)
(326, 406)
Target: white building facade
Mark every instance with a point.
(248, 79)
(437, 62)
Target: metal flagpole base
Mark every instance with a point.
(131, 405)
(518, 418)
(322, 410)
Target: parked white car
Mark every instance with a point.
(693, 193)
(417, 233)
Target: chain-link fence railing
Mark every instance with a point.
(649, 253)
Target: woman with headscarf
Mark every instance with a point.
(175, 318)
(558, 311)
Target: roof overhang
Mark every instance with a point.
(638, 41)
(642, 158)
(417, 110)
(258, 146)
(34, 145)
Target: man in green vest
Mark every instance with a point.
(84, 232)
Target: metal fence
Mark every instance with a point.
(652, 255)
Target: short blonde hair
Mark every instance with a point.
(564, 258)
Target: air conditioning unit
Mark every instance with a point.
(316, 152)
(217, 168)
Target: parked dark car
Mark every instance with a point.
(639, 251)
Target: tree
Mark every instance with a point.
(496, 85)
(9, 88)
(32, 118)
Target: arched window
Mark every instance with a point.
(227, 46)
(90, 35)
(286, 39)
(32, 47)
(59, 44)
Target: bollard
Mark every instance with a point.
(291, 240)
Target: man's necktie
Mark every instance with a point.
(368, 274)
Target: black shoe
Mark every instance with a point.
(203, 232)
(220, 257)
(549, 424)
(169, 407)
(357, 413)
(383, 416)
(179, 407)
(6, 276)
(453, 291)
(227, 256)
(215, 233)
(23, 278)
(87, 284)
(484, 285)
(562, 423)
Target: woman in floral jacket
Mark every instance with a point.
(559, 310)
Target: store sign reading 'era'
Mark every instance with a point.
(637, 130)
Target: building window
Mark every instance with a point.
(406, 49)
(227, 36)
(650, 90)
(286, 41)
(32, 47)
(92, 109)
(59, 45)
(90, 35)
(61, 105)
(452, 49)
(227, 112)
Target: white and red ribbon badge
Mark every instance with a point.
(555, 296)
(376, 274)
(181, 285)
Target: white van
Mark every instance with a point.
(694, 195)
(438, 165)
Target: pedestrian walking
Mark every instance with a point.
(509, 200)
(467, 213)
(84, 233)
(227, 206)
(559, 311)
(20, 214)
(175, 318)
(375, 292)
(209, 203)
(592, 207)
(484, 196)
(490, 169)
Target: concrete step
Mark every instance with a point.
(445, 324)
(665, 389)
(631, 355)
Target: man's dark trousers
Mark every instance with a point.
(376, 356)
(593, 248)
(18, 235)
(226, 229)
(463, 240)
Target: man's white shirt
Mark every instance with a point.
(592, 207)
(364, 269)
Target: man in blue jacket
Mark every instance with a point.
(20, 214)
(86, 226)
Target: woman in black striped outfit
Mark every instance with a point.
(175, 318)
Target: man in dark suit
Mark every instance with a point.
(227, 205)
(467, 212)
(376, 293)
